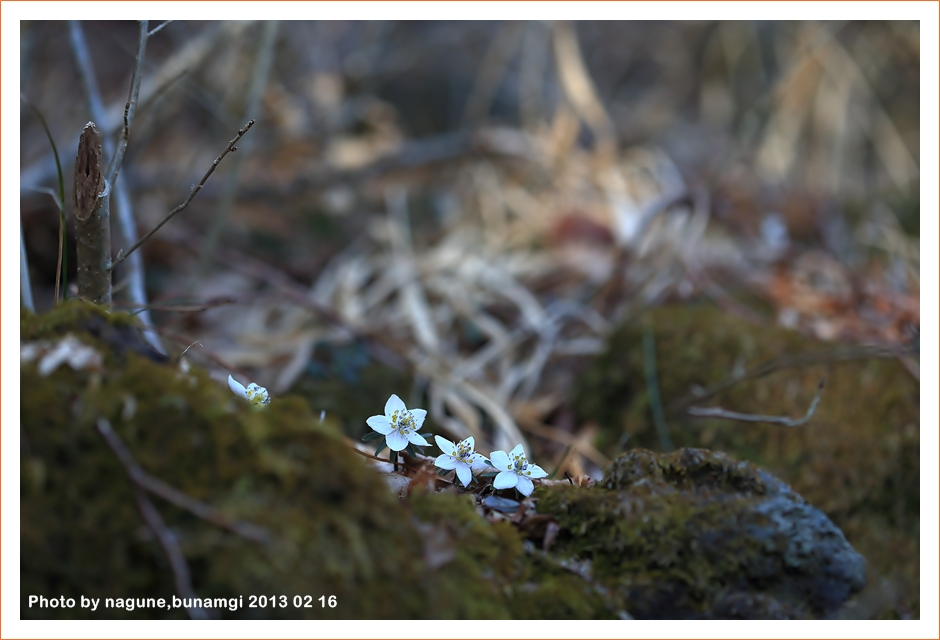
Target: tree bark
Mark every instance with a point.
(91, 198)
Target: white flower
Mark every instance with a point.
(256, 395)
(515, 470)
(399, 425)
(460, 457)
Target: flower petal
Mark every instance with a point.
(446, 462)
(380, 424)
(536, 471)
(445, 445)
(500, 460)
(394, 404)
(505, 480)
(237, 387)
(524, 486)
(463, 472)
(518, 451)
(419, 415)
(415, 439)
(395, 440)
(468, 442)
(478, 462)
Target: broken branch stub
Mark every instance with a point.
(92, 220)
(88, 175)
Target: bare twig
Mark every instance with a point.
(144, 481)
(158, 27)
(256, 87)
(174, 554)
(130, 108)
(126, 227)
(718, 412)
(394, 464)
(380, 347)
(837, 354)
(184, 61)
(152, 517)
(194, 307)
(122, 255)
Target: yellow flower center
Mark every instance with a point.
(520, 465)
(403, 422)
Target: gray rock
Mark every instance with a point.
(695, 534)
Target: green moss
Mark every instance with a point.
(338, 530)
(494, 573)
(857, 459)
(688, 535)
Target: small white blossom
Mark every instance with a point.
(399, 425)
(515, 470)
(255, 394)
(460, 457)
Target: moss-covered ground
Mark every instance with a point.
(857, 459)
(336, 528)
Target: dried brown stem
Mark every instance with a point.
(395, 465)
(718, 412)
(144, 481)
(154, 520)
(837, 354)
(171, 548)
(122, 255)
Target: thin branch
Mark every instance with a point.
(126, 227)
(395, 465)
(158, 27)
(718, 412)
(185, 61)
(130, 108)
(144, 481)
(256, 88)
(152, 517)
(809, 358)
(122, 255)
(174, 554)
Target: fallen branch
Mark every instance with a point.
(394, 464)
(809, 358)
(174, 554)
(143, 481)
(122, 255)
(718, 412)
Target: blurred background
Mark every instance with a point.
(482, 217)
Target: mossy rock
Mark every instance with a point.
(337, 529)
(857, 459)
